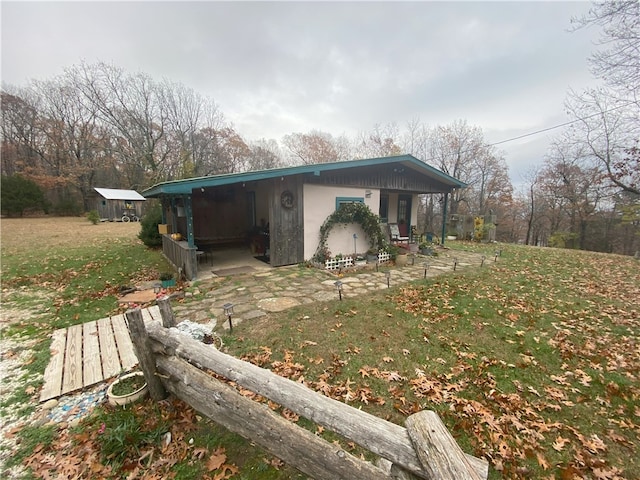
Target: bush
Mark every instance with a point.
(149, 227)
(20, 195)
(93, 216)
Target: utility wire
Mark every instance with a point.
(558, 126)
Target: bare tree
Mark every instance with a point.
(619, 63)
(416, 139)
(381, 141)
(132, 106)
(606, 129)
(607, 117)
(19, 131)
(73, 136)
(454, 149)
(311, 148)
(264, 154)
(578, 189)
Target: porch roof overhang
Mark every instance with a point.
(445, 183)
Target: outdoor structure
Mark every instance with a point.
(277, 213)
(114, 204)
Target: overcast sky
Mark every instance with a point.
(278, 68)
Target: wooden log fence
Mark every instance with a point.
(424, 448)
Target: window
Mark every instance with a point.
(342, 200)
(384, 209)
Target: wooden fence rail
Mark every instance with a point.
(422, 449)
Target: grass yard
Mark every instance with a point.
(71, 267)
(533, 361)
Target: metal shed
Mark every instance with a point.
(115, 205)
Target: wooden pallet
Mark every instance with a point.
(90, 353)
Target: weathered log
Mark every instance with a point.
(142, 347)
(293, 444)
(395, 472)
(438, 451)
(168, 319)
(383, 438)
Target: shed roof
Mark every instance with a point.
(117, 194)
(178, 187)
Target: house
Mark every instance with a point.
(279, 211)
(119, 205)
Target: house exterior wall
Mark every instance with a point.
(319, 203)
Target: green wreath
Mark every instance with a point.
(356, 212)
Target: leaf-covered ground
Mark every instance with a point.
(533, 362)
(147, 441)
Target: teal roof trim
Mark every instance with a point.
(184, 187)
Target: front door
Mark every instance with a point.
(404, 210)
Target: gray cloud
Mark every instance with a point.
(279, 67)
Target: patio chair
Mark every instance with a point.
(398, 233)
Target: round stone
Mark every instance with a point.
(49, 404)
(277, 304)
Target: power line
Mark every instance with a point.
(559, 125)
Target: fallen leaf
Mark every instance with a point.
(559, 444)
(217, 459)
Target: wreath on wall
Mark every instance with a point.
(356, 212)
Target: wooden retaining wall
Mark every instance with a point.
(174, 362)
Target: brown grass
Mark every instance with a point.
(29, 235)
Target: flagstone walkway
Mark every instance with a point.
(259, 293)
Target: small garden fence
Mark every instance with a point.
(174, 362)
(338, 263)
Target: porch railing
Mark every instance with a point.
(181, 255)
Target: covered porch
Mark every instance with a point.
(276, 215)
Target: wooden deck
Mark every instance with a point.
(89, 353)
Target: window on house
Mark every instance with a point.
(384, 209)
(343, 200)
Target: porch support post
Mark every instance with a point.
(444, 217)
(174, 214)
(188, 211)
(163, 207)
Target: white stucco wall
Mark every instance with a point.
(319, 203)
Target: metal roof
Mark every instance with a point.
(117, 194)
(184, 187)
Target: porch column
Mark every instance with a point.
(188, 211)
(444, 217)
(163, 208)
(174, 215)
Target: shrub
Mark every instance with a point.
(149, 227)
(19, 194)
(93, 216)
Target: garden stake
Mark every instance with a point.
(228, 311)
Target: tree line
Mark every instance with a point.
(97, 125)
